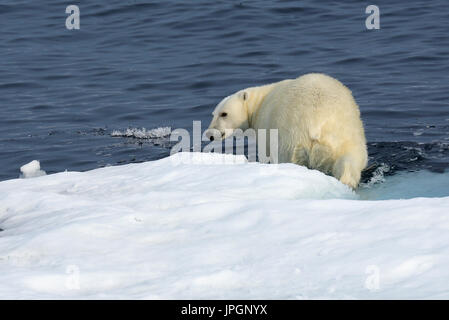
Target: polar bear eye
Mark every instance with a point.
(223, 114)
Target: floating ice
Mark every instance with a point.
(217, 227)
(31, 170)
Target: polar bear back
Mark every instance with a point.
(313, 108)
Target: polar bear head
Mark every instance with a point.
(230, 114)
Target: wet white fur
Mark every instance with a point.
(318, 121)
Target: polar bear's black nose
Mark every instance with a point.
(211, 138)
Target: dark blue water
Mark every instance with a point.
(166, 63)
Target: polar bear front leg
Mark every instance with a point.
(345, 169)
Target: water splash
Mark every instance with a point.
(143, 133)
(378, 176)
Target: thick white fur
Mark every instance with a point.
(317, 118)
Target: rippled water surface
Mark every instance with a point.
(157, 64)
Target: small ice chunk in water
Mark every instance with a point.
(31, 170)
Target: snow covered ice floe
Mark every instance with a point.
(214, 226)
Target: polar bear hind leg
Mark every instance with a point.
(300, 156)
(318, 157)
(345, 169)
(321, 158)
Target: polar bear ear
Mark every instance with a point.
(244, 95)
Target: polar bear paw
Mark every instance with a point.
(345, 169)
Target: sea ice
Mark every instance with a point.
(214, 226)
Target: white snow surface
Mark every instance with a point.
(210, 226)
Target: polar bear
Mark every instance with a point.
(317, 118)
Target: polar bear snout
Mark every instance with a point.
(214, 134)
